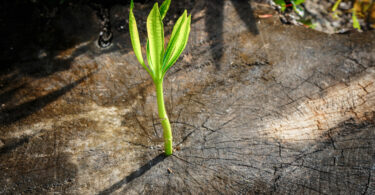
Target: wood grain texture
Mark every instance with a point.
(258, 108)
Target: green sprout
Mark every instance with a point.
(160, 59)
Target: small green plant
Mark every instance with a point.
(295, 4)
(160, 59)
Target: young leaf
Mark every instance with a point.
(178, 42)
(164, 8)
(152, 67)
(156, 39)
(134, 36)
(171, 44)
(176, 54)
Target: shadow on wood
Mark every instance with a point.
(134, 175)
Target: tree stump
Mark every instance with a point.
(256, 107)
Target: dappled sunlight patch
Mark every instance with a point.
(71, 52)
(92, 138)
(308, 119)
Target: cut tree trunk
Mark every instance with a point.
(256, 107)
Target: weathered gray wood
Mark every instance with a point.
(255, 108)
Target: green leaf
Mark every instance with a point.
(156, 39)
(179, 38)
(281, 3)
(134, 36)
(164, 8)
(171, 44)
(149, 57)
(308, 23)
(297, 2)
(355, 21)
(336, 5)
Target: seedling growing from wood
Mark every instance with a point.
(159, 59)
